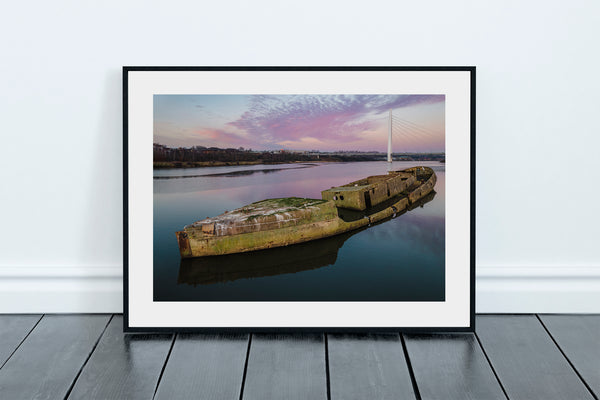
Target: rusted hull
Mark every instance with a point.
(211, 239)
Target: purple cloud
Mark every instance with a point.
(320, 118)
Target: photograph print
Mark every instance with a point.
(299, 197)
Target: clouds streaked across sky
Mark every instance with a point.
(300, 122)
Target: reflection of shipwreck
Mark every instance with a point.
(280, 260)
(277, 261)
(281, 222)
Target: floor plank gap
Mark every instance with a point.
(20, 343)
(87, 359)
(566, 358)
(490, 364)
(410, 368)
(162, 371)
(327, 376)
(246, 366)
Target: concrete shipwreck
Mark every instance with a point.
(281, 222)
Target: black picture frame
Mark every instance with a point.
(129, 328)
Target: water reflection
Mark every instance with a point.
(281, 260)
(402, 259)
(256, 264)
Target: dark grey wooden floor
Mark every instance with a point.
(510, 356)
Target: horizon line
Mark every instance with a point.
(297, 150)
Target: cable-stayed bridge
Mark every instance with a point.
(407, 132)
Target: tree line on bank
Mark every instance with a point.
(165, 156)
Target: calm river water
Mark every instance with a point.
(400, 259)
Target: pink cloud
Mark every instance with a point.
(329, 119)
(222, 138)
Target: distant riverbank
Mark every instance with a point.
(201, 164)
(165, 157)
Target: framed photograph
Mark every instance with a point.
(299, 198)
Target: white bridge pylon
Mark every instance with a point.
(389, 158)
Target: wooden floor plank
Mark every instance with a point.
(526, 360)
(368, 367)
(579, 338)
(451, 366)
(13, 329)
(286, 367)
(123, 366)
(46, 364)
(205, 367)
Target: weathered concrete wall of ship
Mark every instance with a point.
(346, 197)
(423, 190)
(400, 183)
(390, 187)
(377, 189)
(286, 219)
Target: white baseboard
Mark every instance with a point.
(99, 289)
(519, 290)
(49, 289)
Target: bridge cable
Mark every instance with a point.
(414, 126)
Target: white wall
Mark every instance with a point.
(538, 99)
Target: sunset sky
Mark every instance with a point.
(301, 122)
